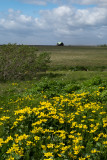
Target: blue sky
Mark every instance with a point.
(26, 8)
(75, 22)
(31, 9)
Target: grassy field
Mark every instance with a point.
(71, 56)
(60, 114)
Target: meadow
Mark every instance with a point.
(59, 114)
(77, 57)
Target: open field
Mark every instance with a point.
(71, 56)
(60, 114)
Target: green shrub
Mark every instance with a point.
(69, 88)
(42, 61)
(20, 62)
(49, 87)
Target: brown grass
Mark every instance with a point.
(77, 55)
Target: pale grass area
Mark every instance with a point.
(76, 55)
(78, 58)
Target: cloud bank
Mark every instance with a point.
(64, 23)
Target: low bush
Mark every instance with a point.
(21, 62)
(71, 88)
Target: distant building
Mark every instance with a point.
(60, 44)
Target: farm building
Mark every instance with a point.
(60, 44)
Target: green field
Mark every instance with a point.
(60, 114)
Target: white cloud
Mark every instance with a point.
(81, 2)
(89, 2)
(75, 26)
(38, 2)
(65, 16)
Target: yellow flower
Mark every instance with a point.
(4, 118)
(1, 123)
(73, 124)
(76, 152)
(61, 120)
(102, 113)
(105, 142)
(44, 96)
(93, 151)
(71, 136)
(48, 159)
(96, 138)
(82, 158)
(57, 146)
(43, 147)
(83, 116)
(91, 125)
(64, 148)
(55, 116)
(15, 148)
(36, 138)
(14, 124)
(87, 156)
(21, 137)
(48, 154)
(76, 149)
(50, 145)
(85, 126)
(8, 139)
(16, 135)
(93, 111)
(92, 120)
(82, 121)
(29, 143)
(48, 137)
(77, 113)
(20, 118)
(1, 142)
(59, 155)
(10, 158)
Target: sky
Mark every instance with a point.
(46, 22)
